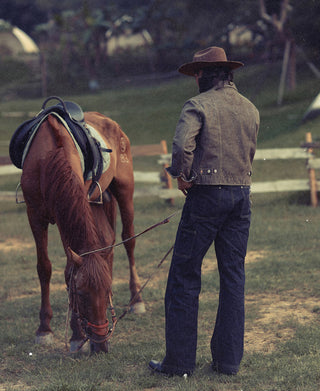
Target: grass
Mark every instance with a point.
(284, 279)
(282, 343)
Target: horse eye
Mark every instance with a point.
(82, 294)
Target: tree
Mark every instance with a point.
(23, 14)
(282, 38)
(72, 32)
(73, 42)
(305, 26)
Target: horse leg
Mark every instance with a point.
(39, 229)
(137, 304)
(125, 202)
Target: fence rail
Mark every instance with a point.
(167, 192)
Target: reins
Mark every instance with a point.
(145, 284)
(165, 221)
(72, 292)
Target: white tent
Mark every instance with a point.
(27, 43)
(313, 110)
(15, 42)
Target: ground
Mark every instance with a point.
(274, 309)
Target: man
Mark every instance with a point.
(212, 154)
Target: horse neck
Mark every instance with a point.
(69, 205)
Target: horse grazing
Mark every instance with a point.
(55, 191)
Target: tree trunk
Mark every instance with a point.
(291, 81)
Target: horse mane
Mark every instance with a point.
(98, 273)
(67, 201)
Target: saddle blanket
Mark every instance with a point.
(93, 133)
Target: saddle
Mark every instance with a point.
(73, 115)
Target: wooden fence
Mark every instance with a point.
(166, 191)
(305, 152)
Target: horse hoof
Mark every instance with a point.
(138, 308)
(44, 339)
(74, 347)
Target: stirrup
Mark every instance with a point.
(17, 198)
(99, 200)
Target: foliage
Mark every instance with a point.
(22, 13)
(11, 69)
(305, 22)
(72, 35)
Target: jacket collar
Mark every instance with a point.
(224, 84)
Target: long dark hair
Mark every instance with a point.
(211, 76)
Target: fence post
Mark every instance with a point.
(312, 176)
(168, 178)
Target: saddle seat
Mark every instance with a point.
(71, 115)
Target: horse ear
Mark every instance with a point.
(74, 257)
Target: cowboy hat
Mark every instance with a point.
(208, 58)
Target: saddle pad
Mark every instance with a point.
(104, 149)
(93, 132)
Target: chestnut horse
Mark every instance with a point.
(55, 192)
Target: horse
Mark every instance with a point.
(55, 192)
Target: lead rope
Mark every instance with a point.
(165, 221)
(145, 284)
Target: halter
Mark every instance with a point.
(93, 332)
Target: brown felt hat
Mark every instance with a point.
(208, 58)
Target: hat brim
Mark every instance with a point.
(191, 68)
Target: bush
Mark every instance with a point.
(14, 71)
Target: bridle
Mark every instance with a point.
(102, 333)
(93, 332)
(98, 333)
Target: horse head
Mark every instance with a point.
(89, 284)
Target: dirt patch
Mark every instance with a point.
(252, 257)
(18, 386)
(15, 245)
(276, 320)
(277, 315)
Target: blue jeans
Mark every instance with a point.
(219, 214)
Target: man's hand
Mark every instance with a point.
(184, 186)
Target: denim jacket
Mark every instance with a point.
(215, 138)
